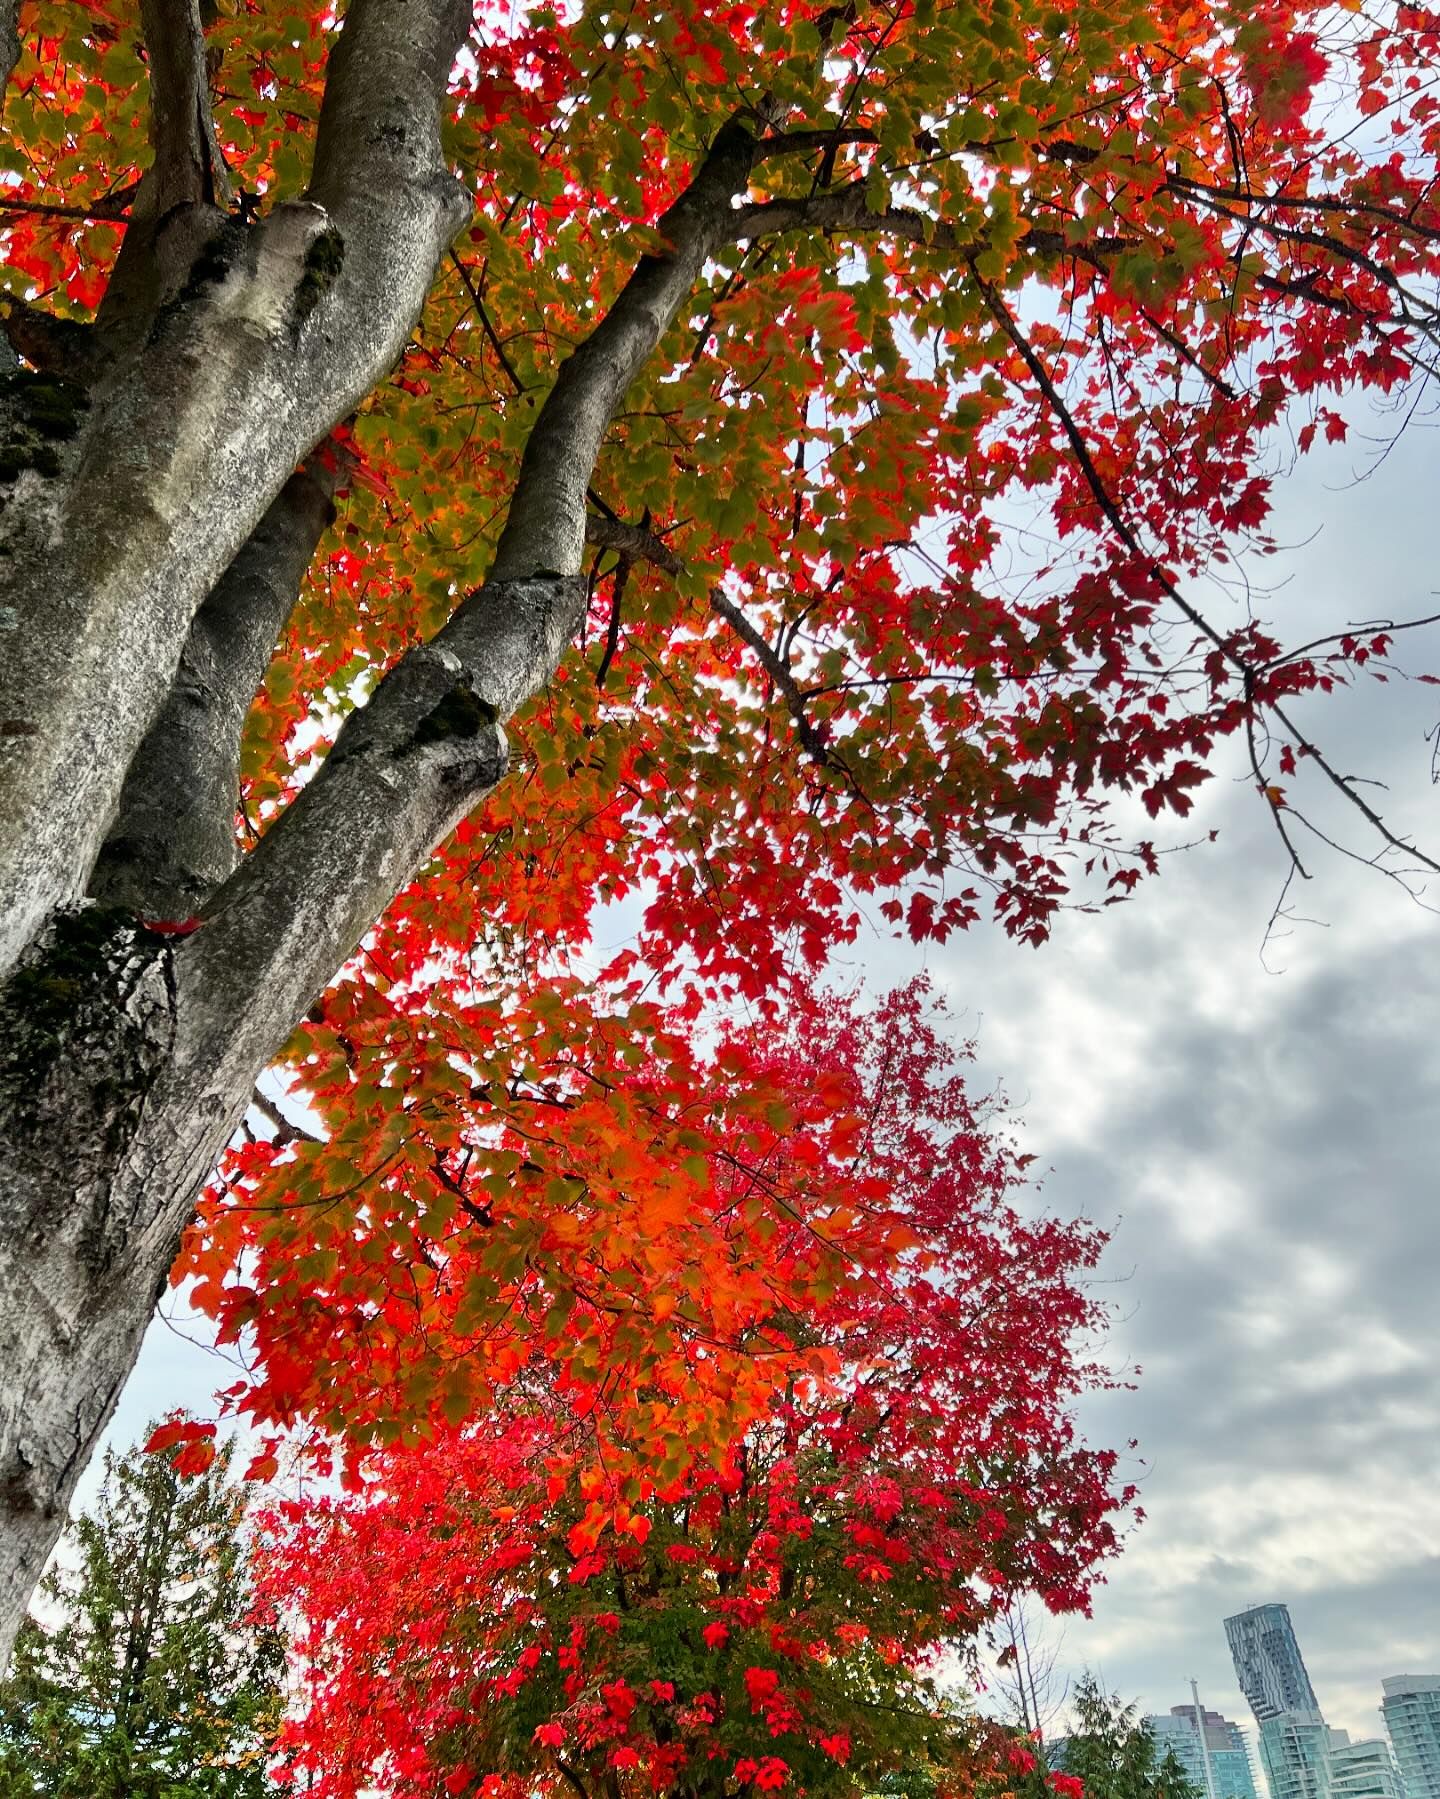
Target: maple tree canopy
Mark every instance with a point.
(593, 435)
(779, 1616)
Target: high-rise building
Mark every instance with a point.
(1294, 1740)
(1269, 1665)
(1411, 1710)
(1224, 1743)
(1364, 1770)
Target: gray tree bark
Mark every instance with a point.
(237, 348)
(9, 41)
(155, 535)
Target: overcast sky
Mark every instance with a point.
(1262, 1136)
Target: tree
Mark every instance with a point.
(1026, 1675)
(155, 1679)
(780, 311)
(1109, 1754)
(477, 1622)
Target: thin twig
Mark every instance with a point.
(485, 324)
(778, 670)
(1345, 786)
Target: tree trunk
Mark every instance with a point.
(155, 536)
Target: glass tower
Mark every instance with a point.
(1225, 1745)
(1364, 1770)
(1294, 1741)
(1411, 1710)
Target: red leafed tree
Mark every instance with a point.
(681, 1249)
(462, 464)
(627, 1213)
(478, 1622)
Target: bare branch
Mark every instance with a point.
(1297, 867)
(633, 542)
(286, 1130)
(485, 323)
(612, 633)
(802, 143)
(1345, 786)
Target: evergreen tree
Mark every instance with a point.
(157, 1680)
(1111, 1753)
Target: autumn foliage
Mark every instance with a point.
(896, 594)
(773, 1617)
(838, 434)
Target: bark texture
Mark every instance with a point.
(173, 838)
(157, 554)
(9, 42)
(238, 346)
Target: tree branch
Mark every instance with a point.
(570, 1775)
(1346, 788)
(1122, 529)
(1091, 475)
(640, 545)
(405, 769)
(485, 323)
(409, 765)
(187, 167)
(846, 209)
(258, 338)
(113, 209)
(181, 198)
(803, 143)
(778, 670)
(286, 1130)
(545, 528)
(633, 542)
(172, 841)
(379, 125)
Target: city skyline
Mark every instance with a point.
(1224, 1747)
(1301, 1755)
(1369, 1763)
